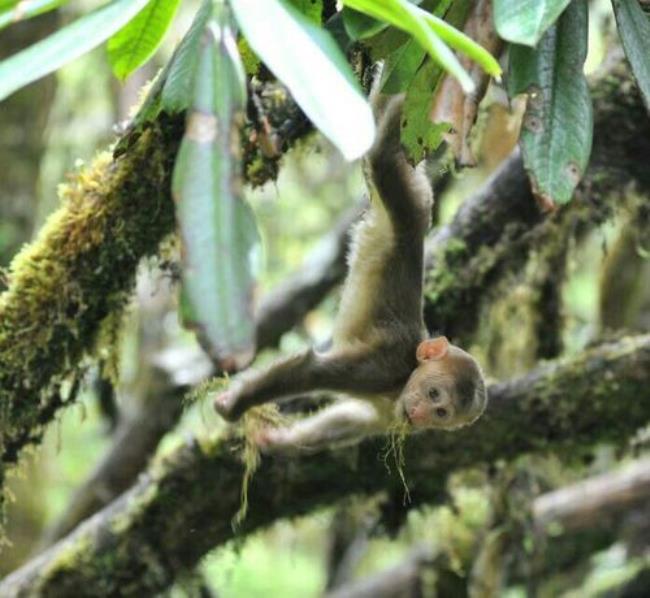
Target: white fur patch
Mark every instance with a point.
(373, 241)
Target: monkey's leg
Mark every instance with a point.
(342, 422)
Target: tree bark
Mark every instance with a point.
(183, 506)
(594, 501)
(497, 228)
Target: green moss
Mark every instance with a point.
(201, 391)
(255, 420)
(396, 440)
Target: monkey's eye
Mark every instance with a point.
(441, 412)
(434, 394)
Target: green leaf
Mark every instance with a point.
(308, 61)
(218, 232)
(558, 125)
(172, 91)
(312, 9)
(400, 67)
(634, 30)
(359, 25)
(408, 17)
(135, 43)
(65, 45)
(402, 64)
(177, 86)
(419, 135)
(12, 11)
(525, 21)
(463, 43)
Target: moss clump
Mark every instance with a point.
(254, 421)
(205, 388)
(395, 442)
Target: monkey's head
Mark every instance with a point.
(446, 390)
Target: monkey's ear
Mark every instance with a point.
(433, 348)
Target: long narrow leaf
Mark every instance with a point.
(172, 91)
(401, 65)
(407, 17)
(525, 21)
(308, 61)
(17, 10)
(557, 128)
(177, 86)
(218, 232)
(634, 30)
(135, 43)
(461, 42)
(65, 45)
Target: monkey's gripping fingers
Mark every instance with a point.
(225, 404)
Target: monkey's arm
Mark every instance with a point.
(361, 372)
(337, 424)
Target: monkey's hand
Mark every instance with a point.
(225, 404)
(284, 378)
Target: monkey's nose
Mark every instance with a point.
(418, 416)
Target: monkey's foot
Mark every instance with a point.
(271, 440)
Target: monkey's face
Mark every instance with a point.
(446, 390)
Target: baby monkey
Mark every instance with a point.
(391, 375)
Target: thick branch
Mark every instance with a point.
(595, 500)
(183, 506)
(408, 579)
(495, 229)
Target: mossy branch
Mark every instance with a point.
(496, 229)
(82, 266)
(183, 506)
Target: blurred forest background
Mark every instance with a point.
(54, 125)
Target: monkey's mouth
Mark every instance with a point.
(406, 415)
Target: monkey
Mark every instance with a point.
(381, 359)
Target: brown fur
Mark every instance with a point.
(378, 328)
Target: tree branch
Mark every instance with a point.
(595, 500)
(496, 229)
(184, 505)
(408, 579)
(82, 266)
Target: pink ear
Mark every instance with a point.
(433, 348)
